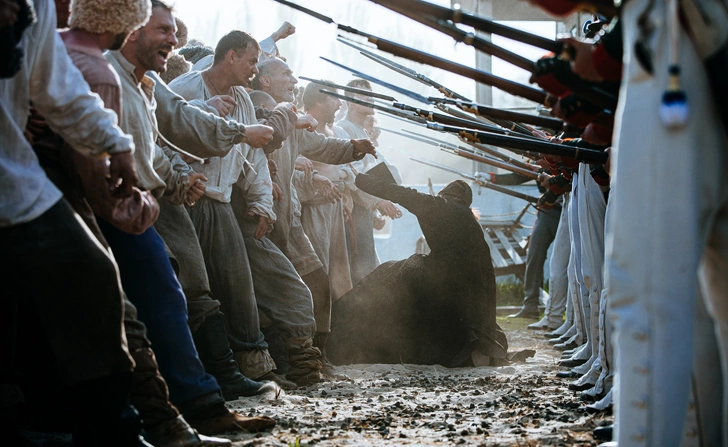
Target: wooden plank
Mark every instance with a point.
(495, 254)
(507, 247)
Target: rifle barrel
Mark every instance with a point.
(488, 112)
(394, 88)
(483, 183)
(522, 144)
(479, 23)
(483, 77)
(406, 71)
(346, 88)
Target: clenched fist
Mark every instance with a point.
(258, 135)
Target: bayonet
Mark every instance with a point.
(470, 154)
(358, 91)
(478, 180)
(394, 88)
(401, 69)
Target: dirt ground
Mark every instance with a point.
(392, 405)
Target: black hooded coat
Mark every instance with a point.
(426, 309)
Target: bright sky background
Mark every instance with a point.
(208, 20)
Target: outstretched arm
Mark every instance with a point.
(416, 202)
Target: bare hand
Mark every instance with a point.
(364, 146)
(543, 180)
(347, 214)
(122, 174)
(306, 122)
(197, 187)
(8, 13)
(272, 167)
(378, 222)
(303, 164)
(224, 104)
(278, 195)
(583, 63)
(284, 31)
(325, 188)
(262, 228)
(258, 135)
(389, 209)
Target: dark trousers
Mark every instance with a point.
(542, 235)
(54, 265)
(151, 285)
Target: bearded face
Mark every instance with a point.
(157, 40)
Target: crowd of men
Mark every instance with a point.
(178, 222)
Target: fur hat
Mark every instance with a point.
(194, 53)
(115, 16)
(458, 190)
(181, 33)
(176, 66)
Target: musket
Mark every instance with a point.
(479, 147)
(471, 155)
(394, 88)
(451, 120)
(408, 8)
(477, 179)
(483, 77)
(417, 119)
(408, 72)
(506, 124)
(420, 116)
(358, 91)
(521, 144)
(482, 24)
(401, 69)
(491, 112)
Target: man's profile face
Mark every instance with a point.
(157, 40)
(244, 66)
(282, 82)
(360, 109)
(329, 109)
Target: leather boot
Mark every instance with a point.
(178, 433)
(327, 368)
(217, 357)
(217, 418)
(103, 415)
(305, 364)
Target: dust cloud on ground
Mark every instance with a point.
(392, 405)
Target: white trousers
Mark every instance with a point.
(669, 229)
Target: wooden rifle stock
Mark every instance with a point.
(479, 23)
(483, 77)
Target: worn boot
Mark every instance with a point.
(327, 368)
(305, 361)
(217, 418)
(217, 357)
(178, 433)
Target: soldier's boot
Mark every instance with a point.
(217, 357)
(327, 368)
(305, 361)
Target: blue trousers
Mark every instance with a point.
(151, 285)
